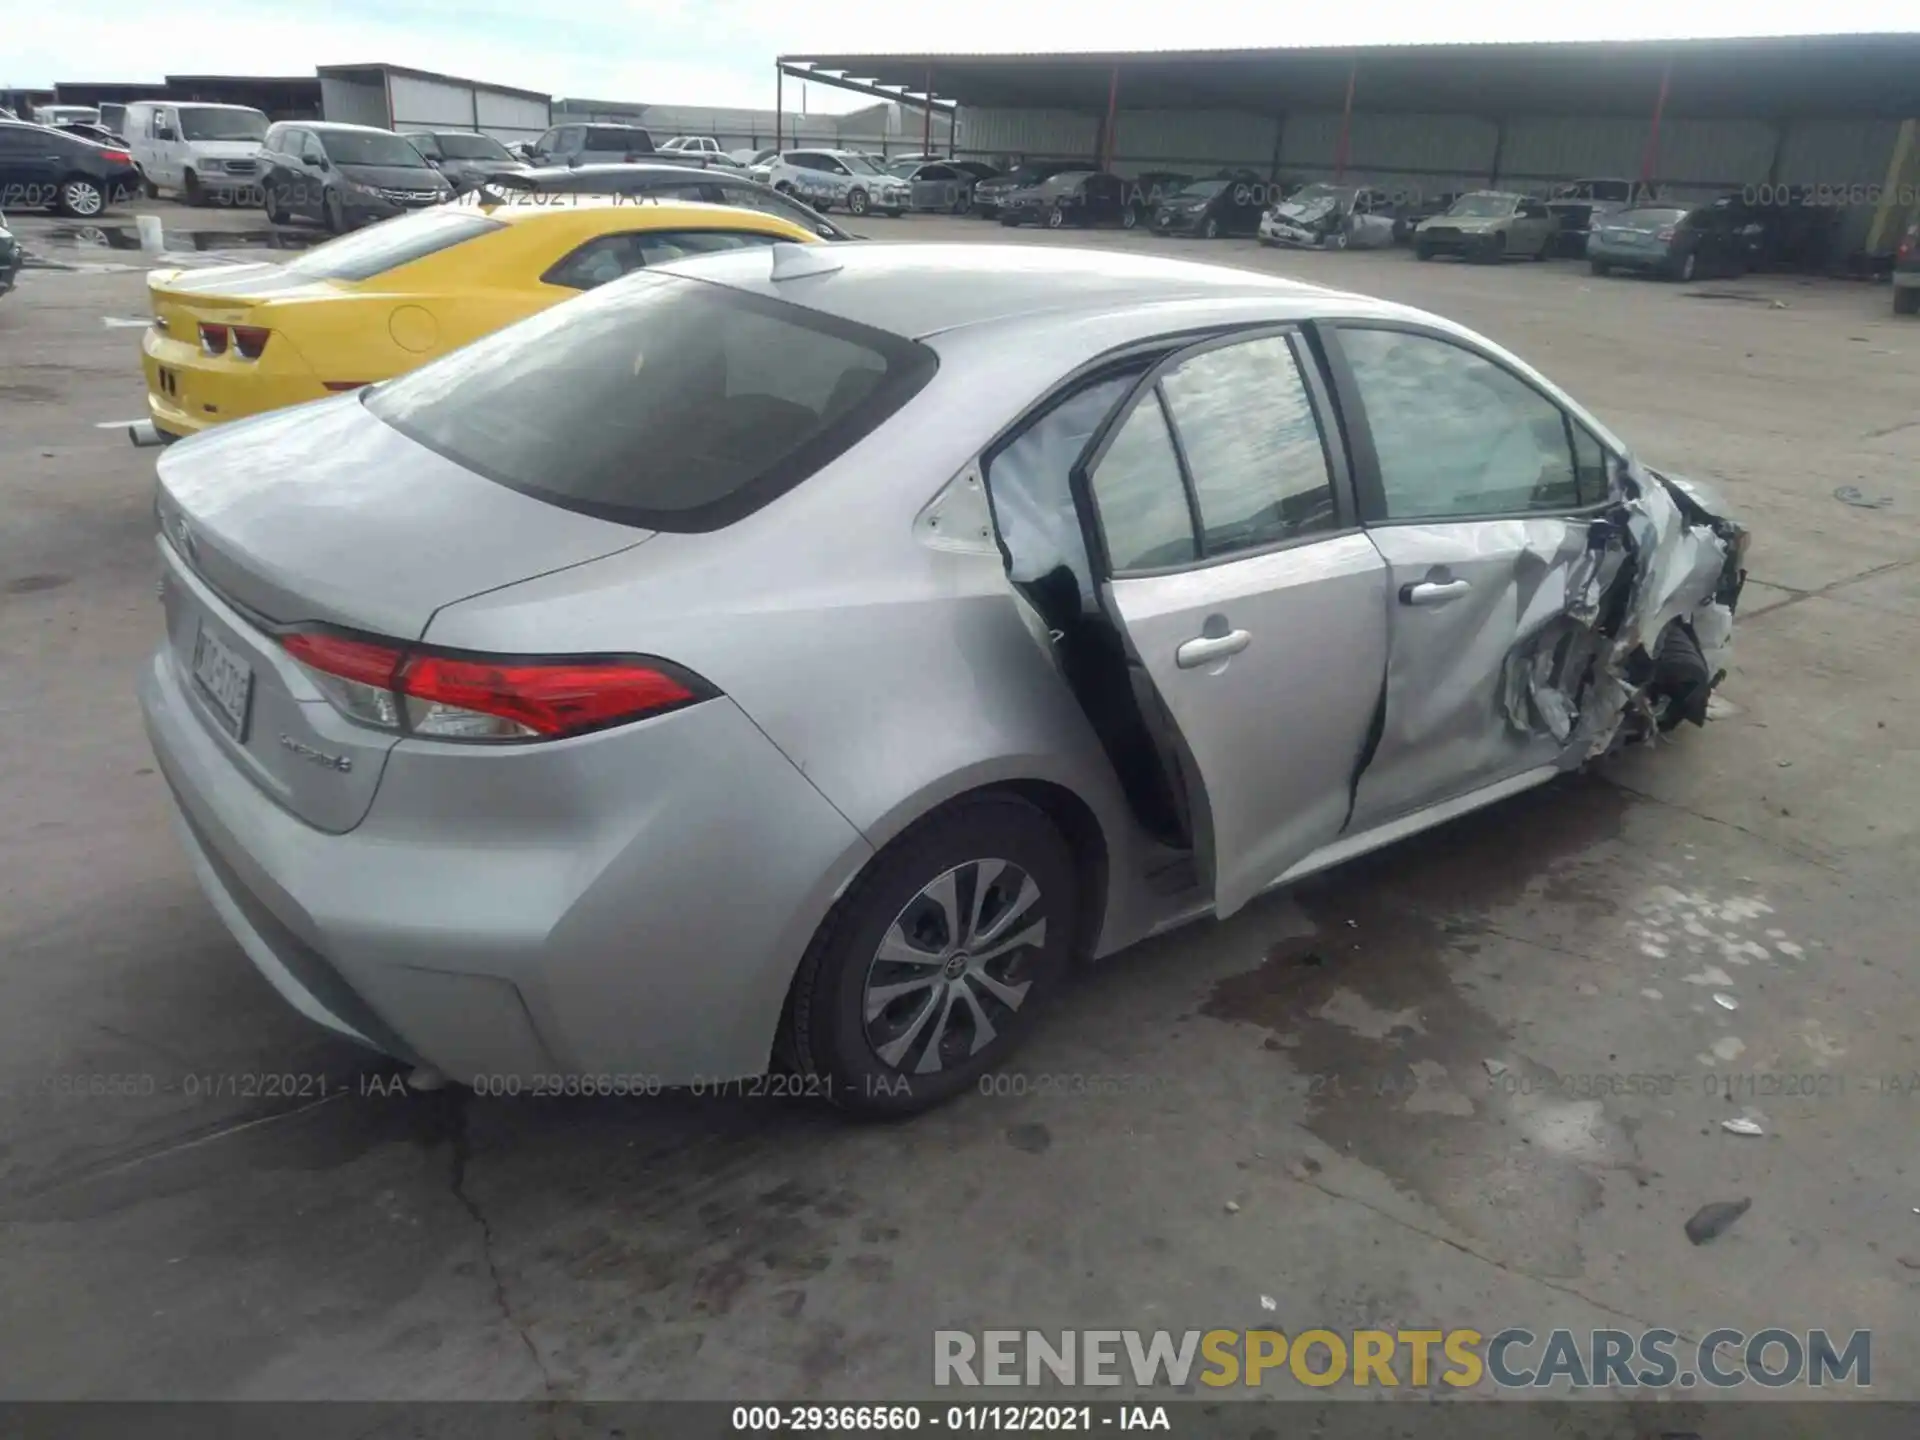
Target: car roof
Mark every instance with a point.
(660, 169)
(918, 290)
(643, 213)
(329, 127)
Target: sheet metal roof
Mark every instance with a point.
(1761, 77)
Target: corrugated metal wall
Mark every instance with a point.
(352, 103)
(1193, 139)
(512, 117)
(1028, 134)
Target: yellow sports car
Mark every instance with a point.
(235, 340)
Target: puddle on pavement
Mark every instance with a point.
(1392, 1052)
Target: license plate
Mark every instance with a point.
(225, 680)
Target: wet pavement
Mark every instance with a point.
(1476, 1079)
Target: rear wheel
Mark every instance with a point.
(1906, 300)
(81, 198)
(1337, 240)
(1600, 267)
(1056, 217)
(857, 201)
(1688, 267)
(931, 968)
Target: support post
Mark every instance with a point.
(926, 122)
(779, 115)
(1499, 152)
(1113, 109)
(1279, 136)
(1651, 157)
(1346, 127)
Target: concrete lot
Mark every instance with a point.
(1319, 1061)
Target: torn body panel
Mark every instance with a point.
(1645, 628)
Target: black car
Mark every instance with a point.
(591, 145)
(98, 134)
(464, 157)
(1782, 227)
(1224, 205)
(1077, 198)
(1676, 242)
(344, 176)
(665, 182)
(41, 168)
(989, 193)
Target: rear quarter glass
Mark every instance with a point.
(658, 402)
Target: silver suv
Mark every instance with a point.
(825, 178)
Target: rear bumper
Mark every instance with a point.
(1624, 257)
(1457, 242)
(1906, 279)
(188, 391)
(629, 905)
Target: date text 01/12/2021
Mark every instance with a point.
(907, 1419)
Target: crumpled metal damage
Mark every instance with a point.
(1589, 660)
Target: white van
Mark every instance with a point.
(202, 151)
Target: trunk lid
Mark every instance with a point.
(323, 514)
(224, 294)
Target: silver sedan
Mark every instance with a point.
(798, 659)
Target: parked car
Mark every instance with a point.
(466, 158)
(344, 176)
(937, 185)
(1224, 205)
(750, 157)
(540, 713)
(51, 115)
(231, 341)
(11, 257)
(1076, 198)
(590, 145)
(1579, 205)
(202, 151)
(1330, 217)
(1489, 226)
(703, 144)
(1410, 212)
(42, 169)
(1782, 227)
(673, 182)
(989, 193)
(1675, 242)
(1151, 188)
(825, 178)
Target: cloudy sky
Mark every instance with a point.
(720, 52)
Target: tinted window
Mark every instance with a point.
(1247, 428)
(1590, 465)
(17, 140)
(390, 244)
(203, 123)
(1457, 434)
(1139, 494)
(611, 256)
(659, 401)
(754, 197)
(370, 147)
(472, 147)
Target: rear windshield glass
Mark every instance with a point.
(473, 147)
(658, 401)
(390, 244)
(1664, 215)
(197, 123)
(369, 147)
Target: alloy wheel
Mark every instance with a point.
(952, 967)
(83, 198)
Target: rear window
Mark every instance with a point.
(390, 244)
(658, 401)
(1664, 215)
(473, 147)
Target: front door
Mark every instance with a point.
(1253, 609)
(1479, 490)
(29, 172)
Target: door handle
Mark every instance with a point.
(1433, 592)
(1195, 653)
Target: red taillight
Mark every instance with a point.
(213, 338)
(1666, 234)
(466, 697)
(119, 157)
(250, 340)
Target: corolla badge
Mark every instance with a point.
(321, 758)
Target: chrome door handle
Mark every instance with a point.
(1433, 592)
(1211, 647)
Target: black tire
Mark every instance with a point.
(1210, 230)
(191, 191)
(961, 203)
(1686, 270)
(829, 1034)
(334, 214)
(1423, 252)
(1008, 220)
(148, 188)
(270, 202)
(784, 188)
(858, 201)
(1129, 219)
(1600, 267)
(81, 196)
(1906, 300)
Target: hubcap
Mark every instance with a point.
(83, 200)
(954, 965)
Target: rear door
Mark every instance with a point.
(1253, 608)
(1478, 489)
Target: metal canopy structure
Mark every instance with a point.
(1774, 78)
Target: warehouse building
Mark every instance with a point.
(1832, 113)
(399, 98)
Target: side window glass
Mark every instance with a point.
(1456, 434)
(1247, 429)
(1590, 465)
(663, 247)
(1138, 492)
(596, 262)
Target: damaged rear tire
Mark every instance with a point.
(1681, 683)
